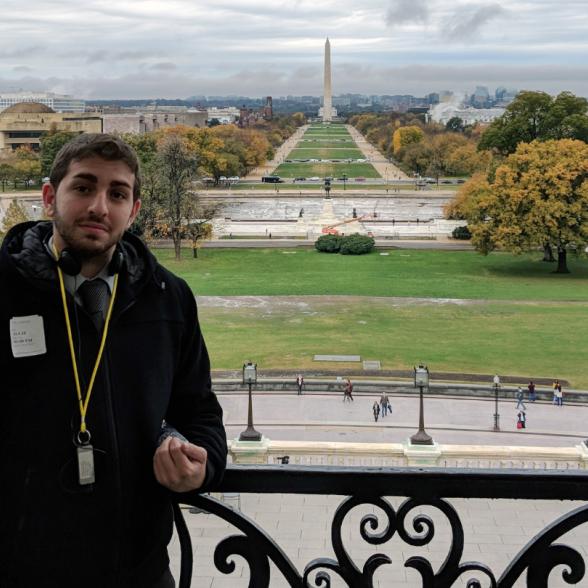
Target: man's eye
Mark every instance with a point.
(82, 189)
(119, 195)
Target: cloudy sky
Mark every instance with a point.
(179, 48)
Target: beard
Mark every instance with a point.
(85, 246)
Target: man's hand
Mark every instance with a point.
(179, 466)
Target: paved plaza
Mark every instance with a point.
(495, 530)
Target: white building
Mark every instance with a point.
(57, 102)
(469, 116)
(224, 115)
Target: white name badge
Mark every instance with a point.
(27, 336)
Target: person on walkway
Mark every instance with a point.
(532, 393)
(520, 397)
(522, 420)
(384, 404)
(299, 383)
(376, 410)
(348, 392)
(107, 401)
(559, 395)
(556, 392)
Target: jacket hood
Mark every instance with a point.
(24, 249)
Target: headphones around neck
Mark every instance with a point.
(71, 264)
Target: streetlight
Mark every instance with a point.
(421, 380)
(250, 378)
(327, 187)
(496, 386)
(344, 178)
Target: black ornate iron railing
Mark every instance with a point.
(430, 487)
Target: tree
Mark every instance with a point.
(15, 214)
(404, 136)
(455, 125)
(538, 198)
(7, 173)
(51, 143)
(27, 167)
(536, 115)
(177, 167)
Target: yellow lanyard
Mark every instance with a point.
(83, 403)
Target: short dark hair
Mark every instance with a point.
(86, 145)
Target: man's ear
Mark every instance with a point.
(49, 199)
(134, 212)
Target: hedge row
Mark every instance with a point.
(355, 244)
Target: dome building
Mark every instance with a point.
(23, 124)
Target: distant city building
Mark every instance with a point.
(145, 121)
(57, 102)
(481, 98)
(469, 116)
(23, 124)
(224, 115)
(504, 96)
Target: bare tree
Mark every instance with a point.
(177, 166)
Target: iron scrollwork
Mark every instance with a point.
(538, 558)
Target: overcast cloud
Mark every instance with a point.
(179, 48)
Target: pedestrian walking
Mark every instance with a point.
(532, 393)
(376, 410)
(384, 404)
(299, 383)
(348, 391)
(559, 395)
(520, 403)
(522, 420)
(556, 392)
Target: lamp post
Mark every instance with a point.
(250, 378)
(344, 178)
(496, 386)
(421, 380)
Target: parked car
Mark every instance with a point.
(360, 179)
(314, 179)
(300, 179)
(234, 179)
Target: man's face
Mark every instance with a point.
(92, 207)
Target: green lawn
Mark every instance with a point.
(325, 143)
(325, 153)
(531, 341)
(430, 274)
(526, 320)
(336, 170)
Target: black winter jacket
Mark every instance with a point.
(54, 532)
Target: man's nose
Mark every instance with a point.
(99, 204)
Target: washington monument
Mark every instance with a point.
(327, 97)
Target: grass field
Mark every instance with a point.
(325, 153)
(525, 320)
(336, 170)
(430, 274)
(325, 143)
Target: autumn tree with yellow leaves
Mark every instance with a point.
(537, 197)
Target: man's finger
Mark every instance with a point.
(194, 452)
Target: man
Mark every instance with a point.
(299, 383)
(520, 397)
(384, 404)
(107, 405)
